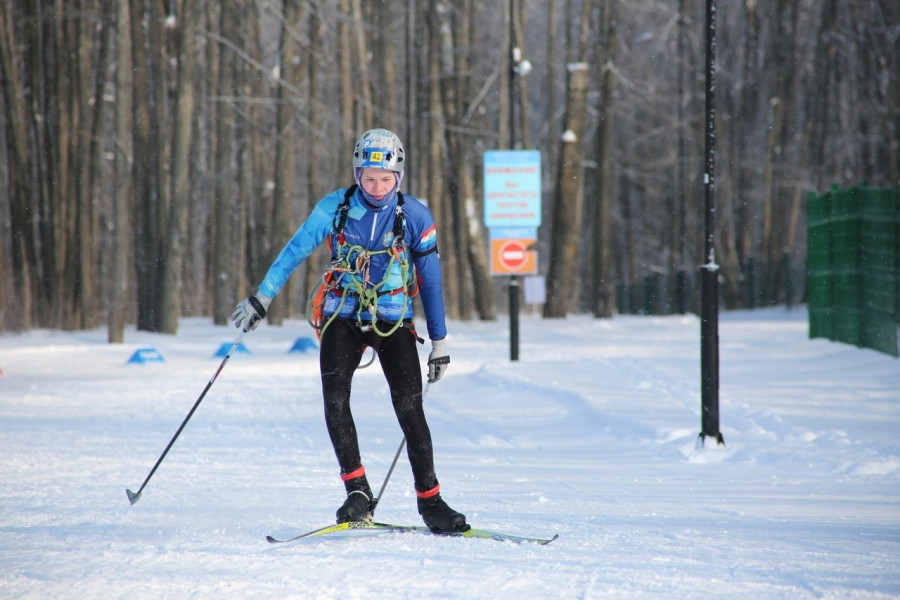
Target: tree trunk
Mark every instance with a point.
(569, 198)
(92, 76)
(412, 87)
(228, 251)
(822, 98)
(64, 108)
(522, 126)
(469, 210)
(146, 223)
(362, 87)
(553, 64)
(770, 190)
(421, 65)
(453, 218)
(24, 192)
(202, 219)
(436, 193)
(892, 126)
(256, 161)
(283, 218)
(679, 255)
(313, 272)
(121, 259)
(244, 141)
(779, 149)
(604, 292)
(386, 109)
(346, 74)
(160, 147)
(189, 14)
(479, 262)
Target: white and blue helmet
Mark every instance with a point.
(379, 149)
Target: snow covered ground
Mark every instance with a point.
(591, 434)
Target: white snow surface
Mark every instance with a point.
(591, 434)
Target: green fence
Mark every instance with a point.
(854, 266)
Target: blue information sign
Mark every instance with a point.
(512, 188)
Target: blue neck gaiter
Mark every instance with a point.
(384, 200)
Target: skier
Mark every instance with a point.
(383, 251)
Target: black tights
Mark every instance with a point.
(342, 348)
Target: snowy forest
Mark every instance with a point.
(157, 154)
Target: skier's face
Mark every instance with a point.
(377, 182)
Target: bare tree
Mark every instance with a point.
(285, 149)
(314, 170)
(451, 219)
(119, 297)
(21, 255)
(92, 68)
(603, 301)
(146, 208)
(466, 210)
(190, 13)
(363, 84)
(568, 200)
(228, 208)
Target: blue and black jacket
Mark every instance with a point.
(371, 229)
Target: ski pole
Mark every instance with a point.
(394, 463)
(135, 496)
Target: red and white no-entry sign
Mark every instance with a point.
(512, 255)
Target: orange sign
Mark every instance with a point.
(513, 256)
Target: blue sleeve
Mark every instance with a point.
(307, 238)
(423, 245)
(428, 271)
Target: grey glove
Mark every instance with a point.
(437, 360)
(251, 311)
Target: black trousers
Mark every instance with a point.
(341, 349)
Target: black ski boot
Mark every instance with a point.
(358, 505)
(439, 517)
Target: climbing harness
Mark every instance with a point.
(348, 274)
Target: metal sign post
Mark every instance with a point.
(709, 271)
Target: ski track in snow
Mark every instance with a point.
(592, 434)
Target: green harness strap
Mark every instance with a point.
(358, 281)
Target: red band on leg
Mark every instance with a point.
(353, 474)
(429, 493)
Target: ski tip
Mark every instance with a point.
(271, 540)
(553, 539)
(132, 497)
